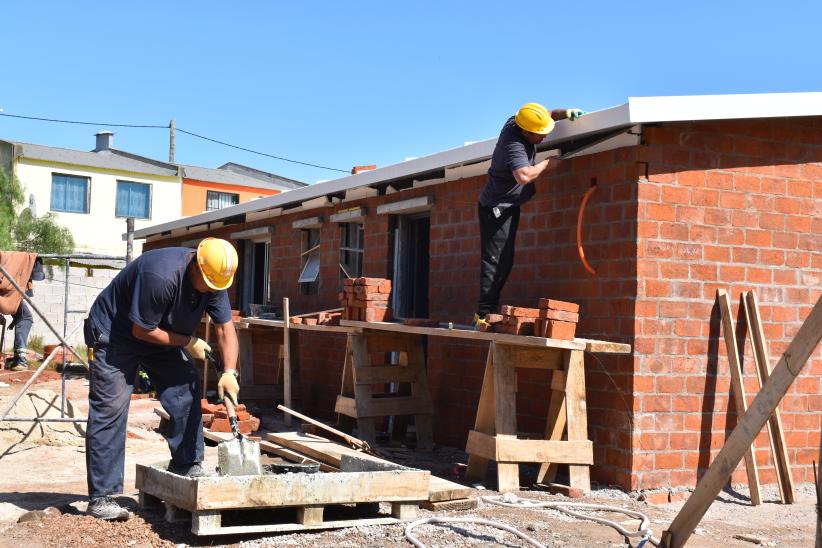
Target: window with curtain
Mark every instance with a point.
(69, 193)
(219, 200)
(133, 200)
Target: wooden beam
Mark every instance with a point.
(484, 421)
(576, 412)
(508, 449)
(605, 347)
(286, 361)
(775, 432)
(738, 386)
(783, 375)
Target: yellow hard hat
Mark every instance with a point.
(535, 118)
(217, 259)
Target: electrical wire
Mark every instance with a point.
(168, 126)
(436, 521)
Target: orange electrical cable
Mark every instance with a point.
(579, 229)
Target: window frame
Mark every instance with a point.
(88, 193)
(347, 230)
(219, 194)
(309, 248)
(150, 199)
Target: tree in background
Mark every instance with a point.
(23, 231)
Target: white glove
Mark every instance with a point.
(228, 383)
(197, 348)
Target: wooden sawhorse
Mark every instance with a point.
(494, 437)
(357, 397)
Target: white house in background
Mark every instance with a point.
(92, 193)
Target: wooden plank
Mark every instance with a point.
(377, 374)
(205, 527)
(419, 389)
(518, 340)
(555, 423)
(310, 515)
(507, 449)
(604, 347)
(366, 427)
(286, 361)
(775, 432)
(440, 489)
(526, 357)
(347, 406)
(275, 490)
(450, 505)
(505, 414)
(383, 407)
(738, 387)
(576, 414)
(484, 422)
(784, 373)
(279, 324)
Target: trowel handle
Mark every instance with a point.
(232, 415)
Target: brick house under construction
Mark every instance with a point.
(692, 194)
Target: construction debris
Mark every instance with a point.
(215, 418)
(553, 319)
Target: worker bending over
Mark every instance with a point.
(147, 317)
(510, 184)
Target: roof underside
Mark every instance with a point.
(594, 132)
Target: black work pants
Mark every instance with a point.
(113, 371)
(497, 236)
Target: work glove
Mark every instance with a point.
(227, 385)
(574, 113)
(197, 348)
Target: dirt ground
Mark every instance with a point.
(44, 467)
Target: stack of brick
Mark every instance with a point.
(366, 299)
(215, 418)
(318, 318)
(516, 320)
(557, 319)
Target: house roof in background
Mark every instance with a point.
(236, 174)
(568, 137)
(107, 159)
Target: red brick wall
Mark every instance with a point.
(699, 206)
(734, 205)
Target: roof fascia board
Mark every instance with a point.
(28, 160)
(723, 107)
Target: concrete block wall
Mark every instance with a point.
(49, 297)
(734, 205)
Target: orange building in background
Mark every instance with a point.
(207, 189)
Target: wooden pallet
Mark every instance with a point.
(281, 503)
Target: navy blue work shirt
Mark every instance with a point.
(512, 152)
(154, 291)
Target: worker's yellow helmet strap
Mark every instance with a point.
(218, 261)
(535, 118)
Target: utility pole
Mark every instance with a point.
(129, 239)
(172, 125)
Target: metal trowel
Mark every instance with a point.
(239, 456)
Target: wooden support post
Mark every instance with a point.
(404, 511)
(505, 413)
(310, 515)
(739, 388)
(366, 426)
(286, 361)
(577, 414)
(818, 464)
(148, 502)
(478, 466)
(775, 432)
(555, 425)
(781, 379)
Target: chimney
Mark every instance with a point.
(104, 140)
(360, 169)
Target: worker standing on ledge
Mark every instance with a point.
(147, 317)
(510, 184)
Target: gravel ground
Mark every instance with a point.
(38, 475)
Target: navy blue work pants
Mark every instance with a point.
(113, 373)
(497, 237)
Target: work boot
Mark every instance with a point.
(107, 508)
(479, 323)
(193, 470)
(20, 362)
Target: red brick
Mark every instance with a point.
(562, 315)
(560, 330)
(558, 305)
(519, 311)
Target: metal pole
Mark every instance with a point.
(65, 327)
(42, 317)
(129, 239)
(40, 369)
(172, 126)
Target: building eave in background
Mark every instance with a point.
(568, 138)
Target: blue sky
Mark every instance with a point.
(346, 83)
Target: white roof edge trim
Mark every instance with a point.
(724, 107)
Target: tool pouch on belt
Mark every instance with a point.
(94, 337)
